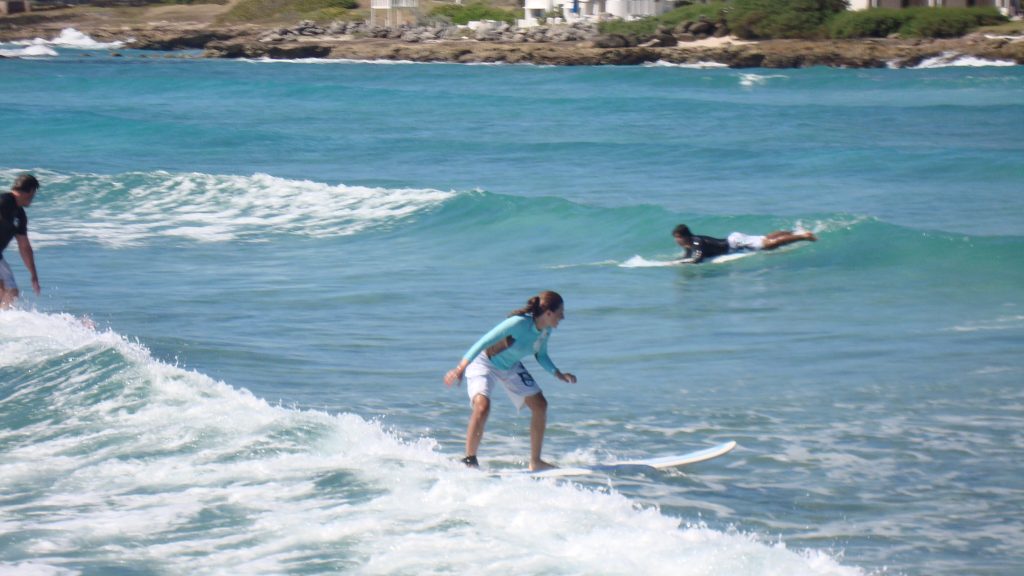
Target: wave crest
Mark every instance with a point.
(129, 209)
(72, 38)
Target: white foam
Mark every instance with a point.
(692, 65)
(749, 80)
(71, 38)
(1001, 323)
(584, 265)
(638, 261)
(34, 51)
(955, 59)
(840, 222)
(268, 60)
(34, 568)
(385, 62)
(153, 465)
(128, 209)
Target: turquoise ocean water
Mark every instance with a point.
(281, 260)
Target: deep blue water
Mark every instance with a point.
(281, 260)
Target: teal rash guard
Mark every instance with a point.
(526, 340)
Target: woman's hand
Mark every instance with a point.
(566, 377)
(454, 376)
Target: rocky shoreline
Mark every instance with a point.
(691, 44)
(771, 54)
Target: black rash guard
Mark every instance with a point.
(13, 220)
(706, 247)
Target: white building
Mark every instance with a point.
(395, 12)
(575, 10)
(1004, 6)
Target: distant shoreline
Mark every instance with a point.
(249, 41)
(774, 54)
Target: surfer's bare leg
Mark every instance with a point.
(477, 420)
(783, 237)
(7, 297)
(538, 422)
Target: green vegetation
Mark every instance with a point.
(190, 2)
(290, 10)
(642, 27)
(713, 11)
(815, 19)
(877, 23)
(748, 19)
(763, 19)
(463, 13)
(137, 3)
(913, 22)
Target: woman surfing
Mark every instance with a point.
(495, 360)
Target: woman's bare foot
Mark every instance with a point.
(541, 465)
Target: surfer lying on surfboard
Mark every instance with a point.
(698, 248)
(495, 359)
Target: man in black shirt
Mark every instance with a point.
(699, 248)
(14, 224)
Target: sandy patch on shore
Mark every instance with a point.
(715, 42)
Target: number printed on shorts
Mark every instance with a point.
(525, 377)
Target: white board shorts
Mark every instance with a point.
(6, 276)
(740, 241)
(482, 377)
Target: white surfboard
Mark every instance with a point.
(730, 257)
(641, 262)
(658, 462)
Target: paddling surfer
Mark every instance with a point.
(698, 248)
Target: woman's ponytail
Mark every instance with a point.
(539, 304)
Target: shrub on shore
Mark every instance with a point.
(949, 22)
(641, 27)
(765, 19)
(712, 11)
(279, 10)
(815, 19)
(876, 23)
(912, 22)
(464, 13)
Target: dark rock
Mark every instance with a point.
(177, 40)
(665, 40)
(610, 41)
(702, 27)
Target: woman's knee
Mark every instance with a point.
(537, 402)
(481, 405)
